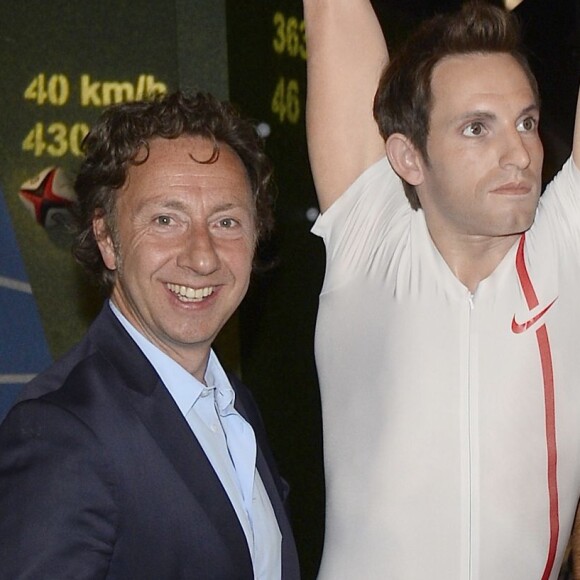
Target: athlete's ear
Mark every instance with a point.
(405, 159)
(105, 241)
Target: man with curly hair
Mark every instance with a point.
(136, 455)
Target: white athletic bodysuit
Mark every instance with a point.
(451, 420)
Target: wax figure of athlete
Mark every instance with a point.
(136, 456)
(448, 328)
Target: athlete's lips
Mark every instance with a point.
(513, 188)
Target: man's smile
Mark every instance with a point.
(189, 294)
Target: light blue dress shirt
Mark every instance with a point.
(229, 443)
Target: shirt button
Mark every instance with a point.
(215, 427)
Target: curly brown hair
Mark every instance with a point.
(404, 100)
(120, 135)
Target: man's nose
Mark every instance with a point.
(199, 252)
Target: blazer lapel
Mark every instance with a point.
(290, 566)
(276, 488)
(164, 421)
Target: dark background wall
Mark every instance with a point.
(252, 52)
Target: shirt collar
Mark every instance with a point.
(183, 386)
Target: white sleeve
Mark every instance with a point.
(362, 220)
(559, 206)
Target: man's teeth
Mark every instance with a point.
(193, 294)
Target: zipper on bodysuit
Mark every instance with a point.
(469, 563)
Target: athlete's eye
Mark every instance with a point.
(475, 129)
(527, 125)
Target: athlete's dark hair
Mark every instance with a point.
(123, 133)
(404, 98)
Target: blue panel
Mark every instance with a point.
(23, 348)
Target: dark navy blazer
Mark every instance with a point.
(101, 476)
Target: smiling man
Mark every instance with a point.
(136, 455)
(451, 402)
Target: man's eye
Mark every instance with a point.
(227, 223)
(163, 220)
(474, 129)
(528, 124)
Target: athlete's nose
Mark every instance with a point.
(515, 151)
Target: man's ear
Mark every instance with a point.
(105, 242)
(405, 159)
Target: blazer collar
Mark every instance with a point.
(157, 410)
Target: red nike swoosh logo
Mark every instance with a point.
(518, 328)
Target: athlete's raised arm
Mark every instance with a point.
(346, 54)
